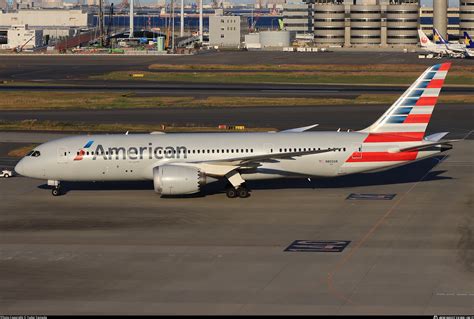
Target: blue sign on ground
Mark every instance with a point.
(355, 196)
(318, 246)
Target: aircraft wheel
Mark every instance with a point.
(243, 192)
(56, 191)
(231, 192)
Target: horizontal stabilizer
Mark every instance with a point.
(436, 137)
(427, 145)
(299, 129)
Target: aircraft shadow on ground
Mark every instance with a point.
(409, 173)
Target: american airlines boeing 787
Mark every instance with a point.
(180, 164)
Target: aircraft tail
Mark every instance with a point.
(438, 38)
(468, 41)
(424, 40)
(406, 120)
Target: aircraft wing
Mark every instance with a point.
(257, 159)
(223, 167)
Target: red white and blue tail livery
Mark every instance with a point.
(398, 135)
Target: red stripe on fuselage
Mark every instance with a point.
(394, 137)
(382, 157)
(427, 101)
(417, 118)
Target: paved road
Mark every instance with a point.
(117, 248)
(68, 67)
(213, 89)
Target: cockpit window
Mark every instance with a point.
(29, 153)
(36, 154)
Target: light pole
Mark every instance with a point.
(131, 19)
(181, 31)
(172, 27)
(200, 22)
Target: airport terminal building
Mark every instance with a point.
(363, 23)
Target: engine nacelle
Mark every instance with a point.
(177, 180)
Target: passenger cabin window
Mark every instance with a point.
(36, 154)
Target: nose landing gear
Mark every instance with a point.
(56, 191)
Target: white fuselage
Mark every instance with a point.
(133, 157)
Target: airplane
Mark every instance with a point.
(456, 47)
(439, 49)
(469, 45)
(181, 163)
(468, 41)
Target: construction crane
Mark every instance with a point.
(254, 22)
(101, 24)
(19, 48)
(109, 25)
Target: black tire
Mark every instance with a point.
(56, 191)
(231, 192)
(7, 176)
(243, 192)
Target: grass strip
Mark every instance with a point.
(23, 100)
(56, 126)
(399, 68)
(344, 77)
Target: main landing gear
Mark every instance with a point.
(236, 186)
(242, 191)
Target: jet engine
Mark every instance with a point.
(177, 180)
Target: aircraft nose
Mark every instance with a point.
(19, 168)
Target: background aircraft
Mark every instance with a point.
(429, 46)
(456, 47)
(469, 45)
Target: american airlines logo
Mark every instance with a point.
(139, 153)
(81, 153)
